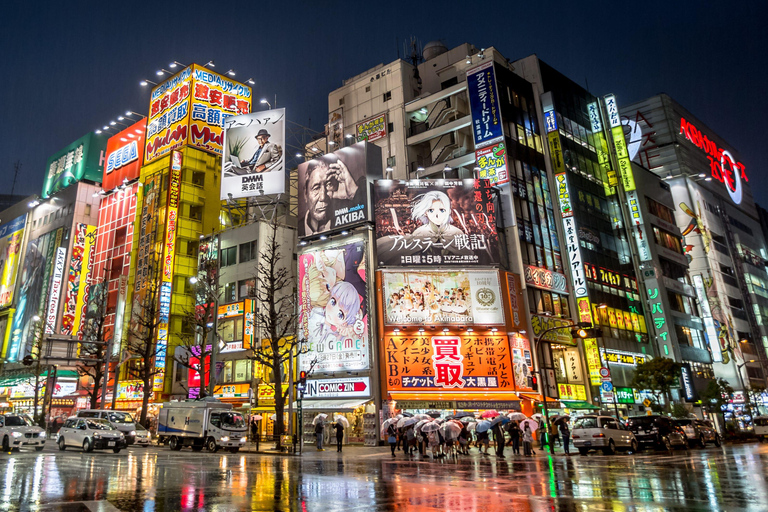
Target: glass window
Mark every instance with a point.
(231, 329)
(248, 251)
(228, 371)
(230, 292)
(229, 256)
(245, 288)
(242, 370)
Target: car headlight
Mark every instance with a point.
(225, 439)
(41, 434)
(121, 435)
(243, 439)
(16, 434)
(133, 433)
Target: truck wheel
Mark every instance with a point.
(211, 445)
(6, 444)
(174, 444)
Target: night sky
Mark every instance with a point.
(71, 67)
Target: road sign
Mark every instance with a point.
(607, 386)
(605, 373)
(647, 402)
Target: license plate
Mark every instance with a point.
(111, 443)
(588, 443)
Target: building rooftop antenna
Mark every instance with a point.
(16, 168)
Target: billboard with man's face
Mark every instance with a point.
(254, 160)
(429, 222)
(333, 189)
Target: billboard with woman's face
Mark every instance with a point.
(436, 222)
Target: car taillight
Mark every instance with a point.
(598, 435)
(575, 437)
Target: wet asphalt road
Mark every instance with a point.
(156, 479)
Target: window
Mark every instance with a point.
(230, 292)
(231, 329)
(367, 88)
(229, 256)
(198, 178)
(192, 247)
(196, 212)
(242, 370)
(661, 211)
(248, 251)
(667, 240)
(246, 288)
(391, 127)
(227, 371)
(216, 419)
(341, 101)
(387, 96)
(87, 209)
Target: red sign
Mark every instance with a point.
(125, 155)
(193, 376)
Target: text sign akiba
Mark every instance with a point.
(431, 363)
(342, 388)
(53, 300)
(436, 222)
(484, 105)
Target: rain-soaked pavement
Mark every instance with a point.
(156, 479)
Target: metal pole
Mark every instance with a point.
(290, 392)
(543, 369)
(215, 341)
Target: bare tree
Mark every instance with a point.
(143, 331)
(93, 346)
(276, 317)
(201, 317)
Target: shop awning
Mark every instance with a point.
(536, 398)
(332, 405)
(578, 404)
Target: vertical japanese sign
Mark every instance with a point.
(619, 143)
(484, 104)
(522, 361)
(517, 318)
(80, 265)
(11, 235)
(607, 174)
(638, 226)
(169, 251)
(592, 354)
(657, 312)
(53, 299)
(249, 324)
(168, 120)
(492, 163)
(575, 262)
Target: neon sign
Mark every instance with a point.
(722, 165)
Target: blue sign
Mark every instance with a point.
(550, 121)
(607, 386)
(484, 104)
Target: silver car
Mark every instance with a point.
(90, 434)
(17, 431)
(602, 433)
(142, 436)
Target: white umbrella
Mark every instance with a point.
(471, 426)
(421, 423)
(430, 427)
(533, 424)
(341, 419)
(422, 417)
(404, 422)
(385, 425)
(450, 430)
(319, 418)
(517, 416)
(468, 420)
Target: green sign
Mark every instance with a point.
(625, 395)
(81, 160)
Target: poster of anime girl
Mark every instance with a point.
(333, 310)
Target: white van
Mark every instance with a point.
(761, 427)
(201, 424)
(122, 421)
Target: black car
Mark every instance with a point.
(698, 431)
(657, 431)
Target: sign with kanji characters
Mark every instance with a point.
(657, 312)
(544, 279)
(254, 159)
(442, 298)
(575, 263)
(190, 109)
(620, 144)
(80, 160)
(572, 392)
(372, 129)
(541, 323)
(125, 155)
(487, 126)
(522, 360)
(638, 226)
(593, 362)
(491, 163)
(516, 304)
(431, 363)
(78, 281)
(621, 358)
(436, 222)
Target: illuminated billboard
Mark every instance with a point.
(125, 155)
(442, 298)
(435, 222)
(78, 279)
(254, 159)
(372, 129)
(190, 109)
(333, 316)
(80, 160)
(487, 125)
(334, 189)
(11, 235)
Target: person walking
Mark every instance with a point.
(483, 442)
(410, 440)
(565, 432)
(541, 434)
(319, 431)
(528, 442)
(553, 435)
(339, 435)
(514, 437)
(254, 429)
(498, 437)
(392, 438)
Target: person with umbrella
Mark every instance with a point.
(483, 440)
(528, 441)
(565, 432)
(319, 431)
(392, 437)
(514, 436)
(339, 426)
(498, 437)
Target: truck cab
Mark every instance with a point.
(199, 424)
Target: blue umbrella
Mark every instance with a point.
(499, 419)
(483, 426)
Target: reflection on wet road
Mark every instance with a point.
(731, 478)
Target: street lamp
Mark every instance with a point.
(264, 100)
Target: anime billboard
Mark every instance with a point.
(333, 312)
(443, 222)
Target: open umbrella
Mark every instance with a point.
(439, 421)
(517, 416)
(489, 414)
(341, 419)
(385, 425)
(319, 418)
(421, 423)
(464, 414)
(434, 414)
(499, 420)
(404, 422)
(407, 414)
(536, 416)
(450, 430)
(422, 417)
(533, 424)
(450, 417)
(430, 427)
(471, 426)
(561, 419)
(483, 426)
(257, 417)
(468, 419)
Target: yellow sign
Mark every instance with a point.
(10, 248)
(572, 392)
(556, 152)
(593, 361)
(267, 394)
(625, 166)
(647, 402)
(86, 262)
(583, 306)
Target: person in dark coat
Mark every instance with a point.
(498, 437)
(339, 435)
(514, 437)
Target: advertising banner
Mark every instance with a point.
(434, 363)
(484, 105)
(572, 392)
(338, 388)
(130, 390)
(435, 222)
(168, 120)
(492, 164)
(11, 235)
(593, 361)
(545, 279)
(372, 129)
(124, 156)
(80, 265)
(442, 298)
(334, 189)
(516, 304)
(620, 144)
(333, 308)
(254, 160)
(81, 160)
(522, 361)
(53, 299)
(540, 323)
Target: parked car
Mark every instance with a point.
(143, 436)
(601, 433)
(122, 421)
(761, 427)
(17, 431)
(90, 434)
(657, 431)
(698, 431)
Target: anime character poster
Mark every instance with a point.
(333, 312)
(436, 222)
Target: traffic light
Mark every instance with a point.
(303, 379)
(586, 333)
(533, 382)
(28, 360)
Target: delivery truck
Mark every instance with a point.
(199, 424)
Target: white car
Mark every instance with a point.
(142, 436)
(90, 434)
(18, 431)
(602, 433)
